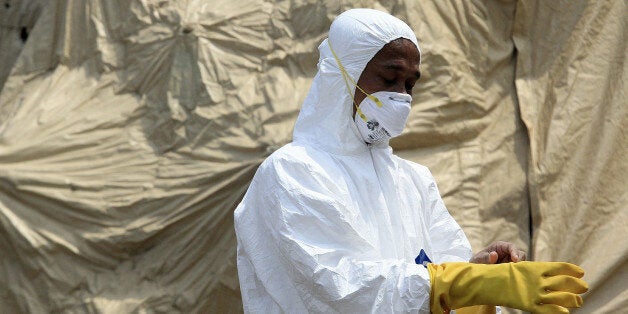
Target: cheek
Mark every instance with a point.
(358, 98)
(372, 85)
(369, 86)
(366, 85)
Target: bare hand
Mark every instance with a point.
(499, 252)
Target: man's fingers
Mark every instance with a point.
(512, 250)
(481, 258)
(499, 252)
(517, 256)
(507, 252)
(492, 257)
(485, 257)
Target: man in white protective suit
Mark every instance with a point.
(334, 222)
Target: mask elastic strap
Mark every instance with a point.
(347, 78)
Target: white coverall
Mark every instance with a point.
(330, 224)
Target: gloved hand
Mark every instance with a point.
(538, 287)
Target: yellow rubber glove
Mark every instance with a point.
(538, 287)
(477, 309)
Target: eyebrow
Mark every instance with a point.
(398, 67)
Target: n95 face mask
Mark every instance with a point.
(383, 121)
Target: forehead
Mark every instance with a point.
(398, 51)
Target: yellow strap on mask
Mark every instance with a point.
(347, 78)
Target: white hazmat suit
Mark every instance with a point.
(330, 224)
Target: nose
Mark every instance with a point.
(399, 88)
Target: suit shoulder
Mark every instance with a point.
(414, 167)
(292, 155)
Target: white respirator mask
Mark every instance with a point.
(382, 116)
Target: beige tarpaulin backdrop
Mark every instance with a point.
(129, 130)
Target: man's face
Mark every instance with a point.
(395, 68)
